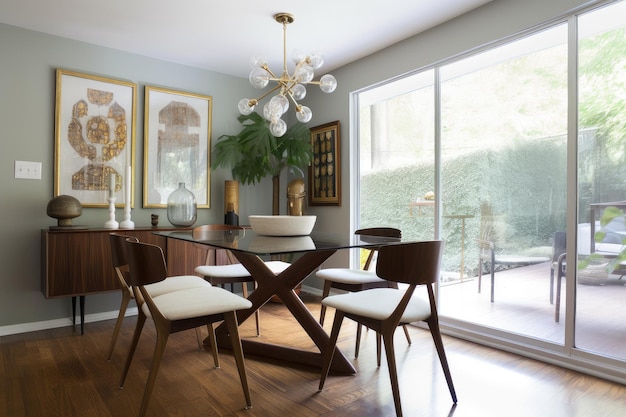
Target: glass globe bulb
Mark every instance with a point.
(259, 78)
(267, 112)
(278, 128)
(317, 60)
(244, 106)
(298, 91)
(304, 115)
(298, 56)
(304, 74)
(280, 103)
(257, 61)
(328, 83)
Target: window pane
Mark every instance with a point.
(600, 291)
(504, 125)
(396, 156)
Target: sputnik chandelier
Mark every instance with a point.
(288, 86)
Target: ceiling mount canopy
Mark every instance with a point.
(289, 87)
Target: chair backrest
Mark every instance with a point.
(209, 231)
(119, 258)
(380, 232)
(415, 263)
(118, 249)
(146, 262)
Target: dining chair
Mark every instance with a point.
(384, 309)
(355, 280)
(120, 267)
(232, 272)
(179, 310)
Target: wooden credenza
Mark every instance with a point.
(75, 263)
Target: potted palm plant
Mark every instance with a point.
(255, 153)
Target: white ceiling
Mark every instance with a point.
(222, 36)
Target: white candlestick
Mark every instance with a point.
(111, 223)
(127, 223)
(112, 186)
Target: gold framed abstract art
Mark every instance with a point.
(325, 170)
(177, 138)
(94, 137)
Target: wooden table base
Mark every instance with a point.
(282, 286)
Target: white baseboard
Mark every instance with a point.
(52, 324)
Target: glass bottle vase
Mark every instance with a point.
(182, 209)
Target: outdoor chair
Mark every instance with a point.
(490, 253)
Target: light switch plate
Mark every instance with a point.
(28, 170)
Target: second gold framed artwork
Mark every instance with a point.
(325, 170)
(177, 138)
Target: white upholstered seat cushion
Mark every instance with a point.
(237, 270)
(379, 304)
(348, 276)
(176, 283)
(197, 302)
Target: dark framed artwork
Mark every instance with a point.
(325, 170)
(177, 138)
(94, 137)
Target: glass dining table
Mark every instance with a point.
(306, 254)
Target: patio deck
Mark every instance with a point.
(522, 305)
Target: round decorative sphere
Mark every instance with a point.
(64, 208)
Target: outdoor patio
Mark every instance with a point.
(522, 305)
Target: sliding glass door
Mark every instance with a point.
(600, 288)
(486, 152)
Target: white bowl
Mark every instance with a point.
(282, 225)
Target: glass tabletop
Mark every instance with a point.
(246, 240)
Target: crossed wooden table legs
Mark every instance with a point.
(282, 285)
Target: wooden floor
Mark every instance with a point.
(61, 373)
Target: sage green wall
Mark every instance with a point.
(27, 73)
(27, 101)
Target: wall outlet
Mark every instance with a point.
(28, 170)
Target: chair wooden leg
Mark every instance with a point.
(161, 341)
(433, 325)
(213, 344)
(325, 292)
(406, 333)
(329, 350)
(393, 372)
(198, 338)
(141, 319)
(378, 348)
(118, 324)
(357, 344)
(231, 323)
